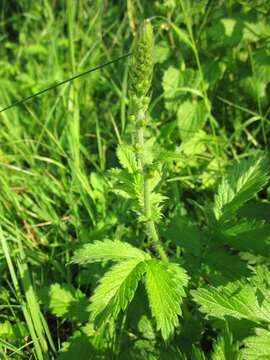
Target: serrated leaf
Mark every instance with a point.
(241, 235)
(108, 250)
(257, 347)
(241, 301)
(127, 185)
(240, 184)
(221, 266)
(127, 158)
(79, 345)
(64, 301)
(224, 348)
(165, 284)
(185, 234)
(116, 290)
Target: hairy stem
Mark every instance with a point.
(150, 225)
(140, 83)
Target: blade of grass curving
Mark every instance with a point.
(32, 302)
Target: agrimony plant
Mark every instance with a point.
(137, 180)
(141, 77)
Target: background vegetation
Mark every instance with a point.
(210, 106)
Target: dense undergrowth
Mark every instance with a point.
(134, 202)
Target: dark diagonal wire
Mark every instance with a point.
(19, 102)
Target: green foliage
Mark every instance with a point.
(239, 300)
(133, 229)
(65, 302)
(165, 288)
(191, 118)
(108, 250)
(240, 184)
(127, 158)
(164, 283)
(257, 347)
(224, 348)
(116, 290)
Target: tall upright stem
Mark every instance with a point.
(150, 225)
(140, 83)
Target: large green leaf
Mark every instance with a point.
(257, 347)
(247, 235)
(165, 284)
(116, 289)
(240, 184)
(241, 301)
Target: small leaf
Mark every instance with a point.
(127, 158)
(64, 301)
(182, 35)
(165, 284)
(170, 84)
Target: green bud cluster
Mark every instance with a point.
(142, 67)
